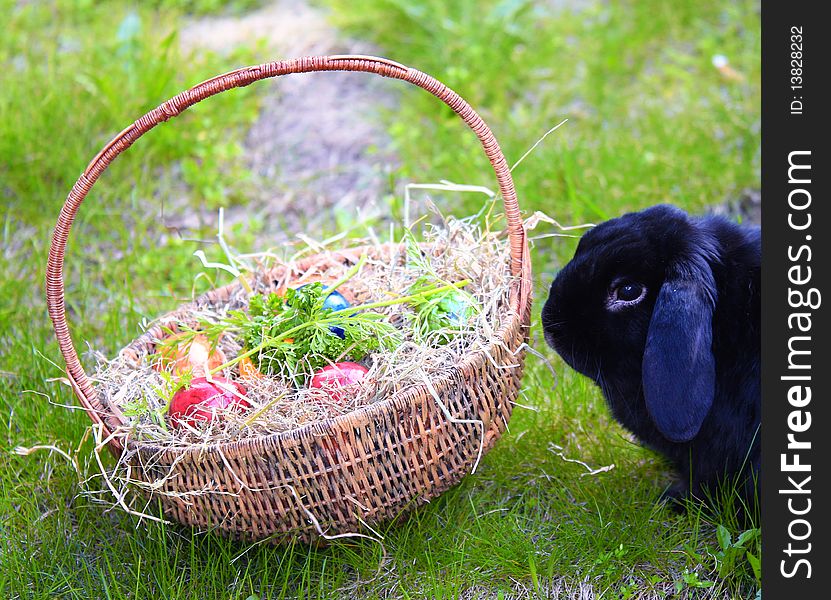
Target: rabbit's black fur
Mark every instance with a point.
(679, 367)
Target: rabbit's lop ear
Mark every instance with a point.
(678, 363)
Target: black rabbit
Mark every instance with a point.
(662, 311)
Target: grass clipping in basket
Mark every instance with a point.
(319, 339)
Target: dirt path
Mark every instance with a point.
(318, 146)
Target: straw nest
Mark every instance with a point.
(134, 388)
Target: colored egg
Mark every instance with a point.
(334, 301)
(457, 308)
(339, 380)
(203, 400)
(195, 356)
(248, 370)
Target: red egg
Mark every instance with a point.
(202, 399)
(339, 380)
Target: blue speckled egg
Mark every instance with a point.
(334, 301)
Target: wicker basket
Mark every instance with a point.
(330, 477)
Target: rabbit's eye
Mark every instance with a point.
(626, 293)
(629, 292)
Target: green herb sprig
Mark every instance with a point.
(300, 313)
(291, 334)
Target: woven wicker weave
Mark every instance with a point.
(370, 465)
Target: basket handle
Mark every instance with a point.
(239, 78)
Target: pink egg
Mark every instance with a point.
(339, 380)
(202, 399)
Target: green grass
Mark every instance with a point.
(650, 120)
